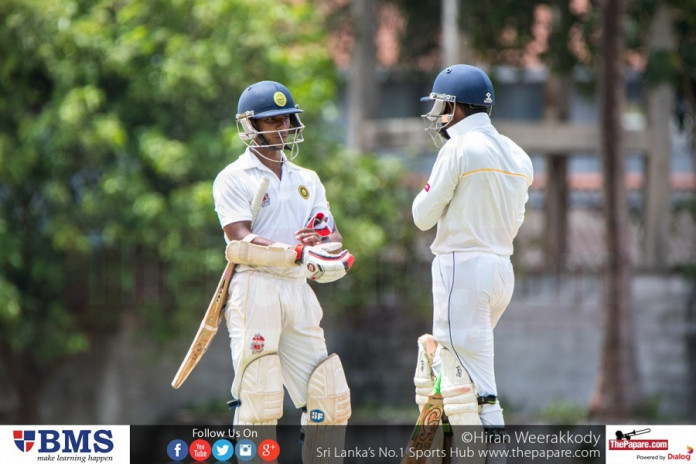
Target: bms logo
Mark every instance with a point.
(24, 439)
(65, 441)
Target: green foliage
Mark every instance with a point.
(372, 205)
(115, 116)
(421, 35)
(509, 28)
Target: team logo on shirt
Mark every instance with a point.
(304, 193)
(258, 343)
(266, 200)
(427, 187)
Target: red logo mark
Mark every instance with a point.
(200, 450)
(258, 343)
(269, 450)
(24, 439)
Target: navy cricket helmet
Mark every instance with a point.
(267, 99)
(463, 83)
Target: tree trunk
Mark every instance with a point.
(362, 81)
(557, 109)
(617, 390)
(690, 340)
(660, 102)
(27, 381)
(450, 32)
(687, 88)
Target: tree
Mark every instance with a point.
(617, 390)
(114, 118)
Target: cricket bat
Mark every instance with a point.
(216, 308)
(426, 428)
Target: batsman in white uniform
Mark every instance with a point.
(272, 314)
(476, 195)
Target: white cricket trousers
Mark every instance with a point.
(470, 293)
(271, 314)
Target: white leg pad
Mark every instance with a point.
(423, 377)
(261, 396)
(328, 411)
(328, 395)
(492, 415)
(458, 392)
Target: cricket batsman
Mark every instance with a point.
(273, 316)
(476, 195)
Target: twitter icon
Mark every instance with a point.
(223, 450)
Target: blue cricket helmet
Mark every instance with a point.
(265, 99)
(463, 83)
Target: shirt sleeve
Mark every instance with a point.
(321, 204)
(232, 197)
(430, 204)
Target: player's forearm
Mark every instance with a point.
(425, 214)
(334, 236)
(240, 230)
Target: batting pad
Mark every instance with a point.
(423, 377)
(458, 392)
(261, 396)
(328, 395)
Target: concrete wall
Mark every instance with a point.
(548, 342)
(547, 351)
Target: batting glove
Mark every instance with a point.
(321, 264)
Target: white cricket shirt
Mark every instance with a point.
(288, 205)
(477, 190)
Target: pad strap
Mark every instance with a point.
(249, 238)
(489, 399)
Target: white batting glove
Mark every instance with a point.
(321, 264)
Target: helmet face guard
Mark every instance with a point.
(252, 137)
(458, 84)
(439, 117)
(268, 99)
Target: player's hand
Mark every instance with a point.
(308, 237)
(322, 223)
(322, 264)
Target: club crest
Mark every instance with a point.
(258, 343)
(280, 99)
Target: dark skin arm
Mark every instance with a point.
(304, 236)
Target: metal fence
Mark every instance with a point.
(586, 243)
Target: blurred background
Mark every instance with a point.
(116, 115)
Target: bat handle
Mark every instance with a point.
(438, 382)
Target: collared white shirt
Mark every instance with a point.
(288, 205)
(477, 190)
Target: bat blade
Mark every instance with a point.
(214, 313)
(207, 329)
(425, 430)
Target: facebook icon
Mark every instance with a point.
(177, 450)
